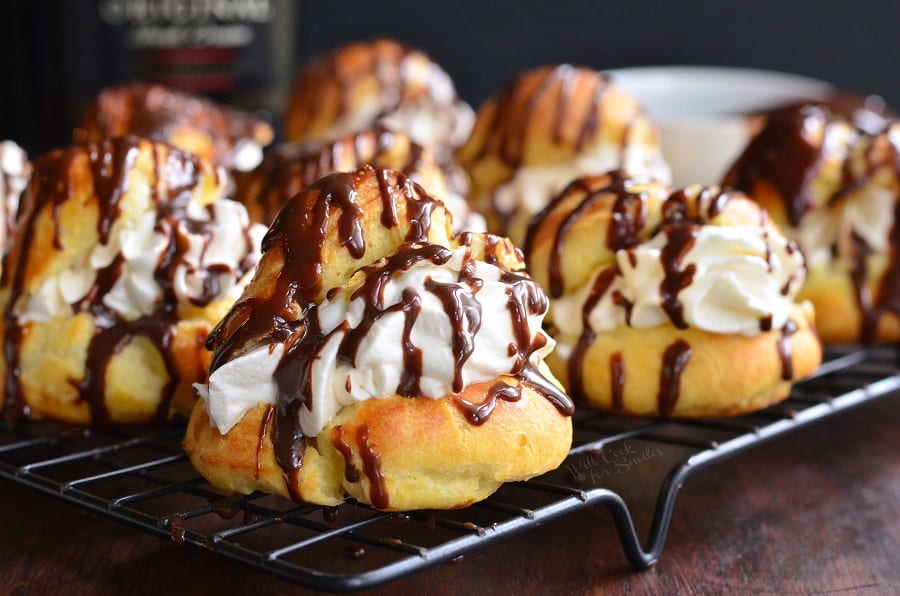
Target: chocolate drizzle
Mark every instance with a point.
(478, 414)
(599, 288)
(110, 164)
(464, 312)
(675, 359)
(617, 381)
(553, 89)
(681, 238)
(340, 443)
(371, 460)
(389, 75)
(290, 168)
(163, 114)
(261, 438)
(289, 313)
(785, 156)
(785, 350)
(518, 105)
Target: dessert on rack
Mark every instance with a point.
(287, 169)
(670, 303)
(222, 135)
(378, 83)
(834, 189)
(547, 127)
(15, 171)
(125, 256)
(376, 355)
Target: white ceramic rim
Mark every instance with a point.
(711, 92)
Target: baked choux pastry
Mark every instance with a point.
(375, 355)
(545, 129)
(670, 303)
(288, 169)
(835, 190)
(125, 257)
(381, 82)
(221, 135)
(15, 171)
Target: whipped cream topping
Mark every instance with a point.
(743, 281)
(869, 213)
(14, 174)
(532, 187)
(438, 125)
(216, 247)
(461, 320)
(244, 156)
(866, 211)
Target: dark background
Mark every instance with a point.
(58, 54)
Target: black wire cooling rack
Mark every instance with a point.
(143, 478)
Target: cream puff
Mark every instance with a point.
(377, 83)
(289, 168)
(670, 303)
(835, 190)
(221, 135)
(125, 256)
(376, 355)
(547, 127)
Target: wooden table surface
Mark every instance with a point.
(817, 511)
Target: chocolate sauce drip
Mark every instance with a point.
(388, 206)
(351, 473)
(289, 441)
(412, 354)
(617, 381)
(478, 414)
(869, 314)
(159, 113)
(524, 297)
(381, 60)
(372, 293)
(261, 438)
(517, 105)
(288, 313)
(309, 220)
(784, 157)
(681, 239)
(464, 312)
(889, 289)
(675, 359)
(371, 460)
(506, 134)
(290, 168)
(586, 339)
(110, 164)
(532, 377)
(785, 350)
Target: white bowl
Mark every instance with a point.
(704, 111)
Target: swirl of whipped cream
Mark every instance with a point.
(730, 279)
(426, 321)
(214, 250)
(14, 174)
(532, 185)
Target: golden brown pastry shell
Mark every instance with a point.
(431, 455)
(192, 123)
(726, 375)
(53, 353)
(546, 116)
